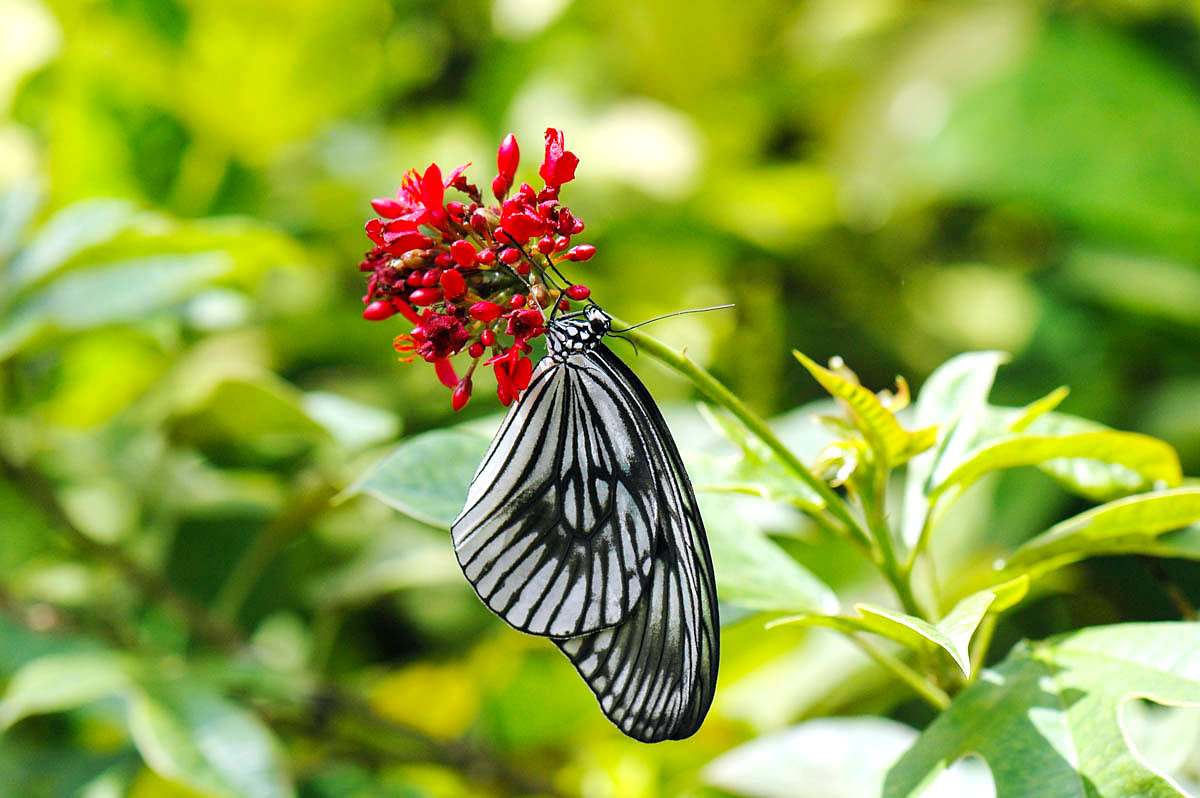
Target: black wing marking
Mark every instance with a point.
(655, 674)
(557, 534)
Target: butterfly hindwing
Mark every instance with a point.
(555, 535)
(654, 674)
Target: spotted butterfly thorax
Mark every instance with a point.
(581, 525)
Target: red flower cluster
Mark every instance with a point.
(470, 276)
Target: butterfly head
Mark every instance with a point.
(576, 333)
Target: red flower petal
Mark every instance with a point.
(445, 372)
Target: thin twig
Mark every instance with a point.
(203, 625)
(1174, 594)
(933, 695)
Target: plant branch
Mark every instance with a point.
(721, 395)
(203, 625)
(888, 565)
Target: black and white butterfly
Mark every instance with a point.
(581, 525)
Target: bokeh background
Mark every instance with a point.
(186, 375)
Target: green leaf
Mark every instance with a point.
(753, 572)
(1048, 722)
(877, 424)
(109, 294)
(353, 424)
(1146, 461)
(1102, 528)
(952, 634)
(832, 758)
(1035, 410)
(70, 231)
(426, 477)
(954, 398)
(59, 682)
(18, 204)
(191, 735)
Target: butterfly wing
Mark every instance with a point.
(655, 673)
(556, 534)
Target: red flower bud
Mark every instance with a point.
(545, 245)
(463, 253)
(444, 260)
(577, 228)
(475, 349)
(523, 268)
(430, 278)
(379, 310)
(485, 311)
(455, 209)
(387, 208)
(486, 257)
(500, 186)
(462, 394)
(413, 280)
(487, 338)
(445, 372)
(578, 292)
(453, 283)
(517, 301)
(425, 296)
(581, 252)
(479, 222)
(510, 255)
(507, 157)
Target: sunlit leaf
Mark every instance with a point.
(426, 477)
(192, 735)
(18, 204)
(395, 562)
(953, 397)
(755, 573)
(64, 681)
(1047, 720)
(1035, 410)
(833, 758)
(113, 293)
(1143, 461)
(1111, 527)
(69, 232)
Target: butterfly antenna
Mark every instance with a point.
(629, 341)
(674, 313)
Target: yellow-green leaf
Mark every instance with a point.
(1144, 516)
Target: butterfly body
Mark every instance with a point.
(581, 525)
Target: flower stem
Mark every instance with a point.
(933, 695)
(721, 395)
(896, 575)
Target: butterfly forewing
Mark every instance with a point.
(554, 536)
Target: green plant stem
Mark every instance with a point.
(882, 534)
(203, 625)
(722, 396)
(933, 695)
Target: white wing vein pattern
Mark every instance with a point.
(581, 525)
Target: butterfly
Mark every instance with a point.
(581, 525)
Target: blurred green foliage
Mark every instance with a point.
(186, 388)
